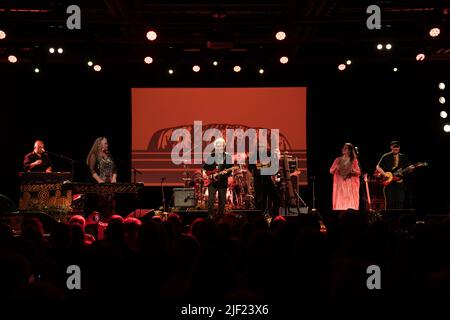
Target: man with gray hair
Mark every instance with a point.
(217, 181)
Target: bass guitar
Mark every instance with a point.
(397, 174)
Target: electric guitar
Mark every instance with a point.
(397, 174)
(214, 175)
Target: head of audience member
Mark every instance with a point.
(132, 226)
(79, 220)
(115, 231)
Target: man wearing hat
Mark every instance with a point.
(395, 193)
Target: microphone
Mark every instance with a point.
(44, 151)
(356, 150)
(163, 178)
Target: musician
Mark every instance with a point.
(395, 194)
(101, 163)
(218, 160)
(346, 172)
(103, 170)
(37, 160)
(267, 188)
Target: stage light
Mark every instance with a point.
(237, 68)
(379, 46)
(97, 68)
(51, 50)
(434, 32)
(90, 63)
(196, 68)
(342, 67)
(12, 59)
(420, 57)
(284, 59)
(170, 71)
(389, 46)
(215, 63)
(2, 34)
(395, 69)
(441, 85)
(348, 62)
(261, 71)
(280, 35)
(447, 128)
(148, 60)
(442, 100)
(60, 50)
(36, 70)
(443, 114)
(151, 35)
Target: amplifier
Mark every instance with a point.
(183, 197)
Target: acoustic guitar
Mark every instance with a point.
(397, 173)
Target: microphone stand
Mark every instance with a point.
(162, 192)
(135, 171)
(314, 211)
(72, 161)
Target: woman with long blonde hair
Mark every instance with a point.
(101, 163)
(103, 170)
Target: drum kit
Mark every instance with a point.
(240, 194)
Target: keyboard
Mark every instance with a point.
(124, 187)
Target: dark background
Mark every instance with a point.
(369, 105)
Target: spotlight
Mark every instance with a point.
(12, 59)
(420, 57)
(389, 46)
(442, 100)
(261, 71)
(170, 71)
(215, 63)
(342, 67)
(447, 128)
(51, 50)
(441, 85)
(395, 69)
(148, 60)
(349, 62)
(284, 59)
(60, 50)
(237, 68)
(2, 34)
(280, 35)
(36, 70)
(443, 114)
(379, 46)
(97, 68)
(90, 63)
(434, 32)
(151, 35)
(196, 68)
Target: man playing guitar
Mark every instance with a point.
(216, 170)
(395, 193)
